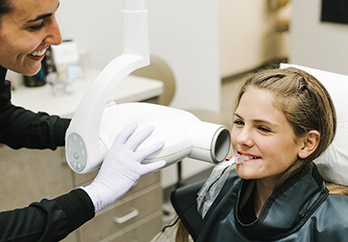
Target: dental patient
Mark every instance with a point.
(283, 120)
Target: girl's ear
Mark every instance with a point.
(310, 144)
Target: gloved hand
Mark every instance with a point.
(122, 166)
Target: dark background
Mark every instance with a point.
(334, 11)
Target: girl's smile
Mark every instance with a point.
(262, 132)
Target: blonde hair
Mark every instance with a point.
(182, 234)
(336, 189)
(175, 231)
(305, 103)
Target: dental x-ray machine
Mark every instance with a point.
(95, 125)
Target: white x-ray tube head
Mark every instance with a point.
(183, 133)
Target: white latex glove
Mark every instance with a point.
(122, 166)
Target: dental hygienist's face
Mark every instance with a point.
(26, 33)
(261, 131)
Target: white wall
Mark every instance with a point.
(316, 44)
(247, 35)
(184, 33)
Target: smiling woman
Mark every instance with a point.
(27, 29)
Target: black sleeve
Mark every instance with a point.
(21, 128)
(48, 220)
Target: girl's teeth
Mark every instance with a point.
(241, 158)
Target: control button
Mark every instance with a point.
(76, 152)
(76, 155)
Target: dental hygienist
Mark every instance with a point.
(27, 29)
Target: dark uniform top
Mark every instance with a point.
(47, 220)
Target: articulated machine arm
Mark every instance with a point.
(94, 127)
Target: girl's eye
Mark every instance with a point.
(238, 122)
(264, 129)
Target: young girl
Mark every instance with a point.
(284, 119)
